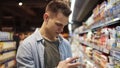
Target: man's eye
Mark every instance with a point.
(58, 24)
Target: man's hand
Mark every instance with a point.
(68, 63)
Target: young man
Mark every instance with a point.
(45, 48)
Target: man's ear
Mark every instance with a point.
(46, 17)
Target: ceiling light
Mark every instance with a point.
(20, 3)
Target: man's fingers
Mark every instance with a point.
(74, 64)
(68, 60)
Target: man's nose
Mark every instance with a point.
(61, 29)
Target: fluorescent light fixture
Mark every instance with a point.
(70, 27)
(72, 9)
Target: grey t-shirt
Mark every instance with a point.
(51, 54)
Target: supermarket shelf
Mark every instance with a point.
(104, 50)
(111, 22)
(114, 21)
(85, 31)
(7, 60)
(7, 50)
(97, 26)
(7, 41)
(115, 53)
(88, 59)
(116, 49)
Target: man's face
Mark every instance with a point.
(56, 24)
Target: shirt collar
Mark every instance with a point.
(38, 35)
(60, 38)
(40, 38)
